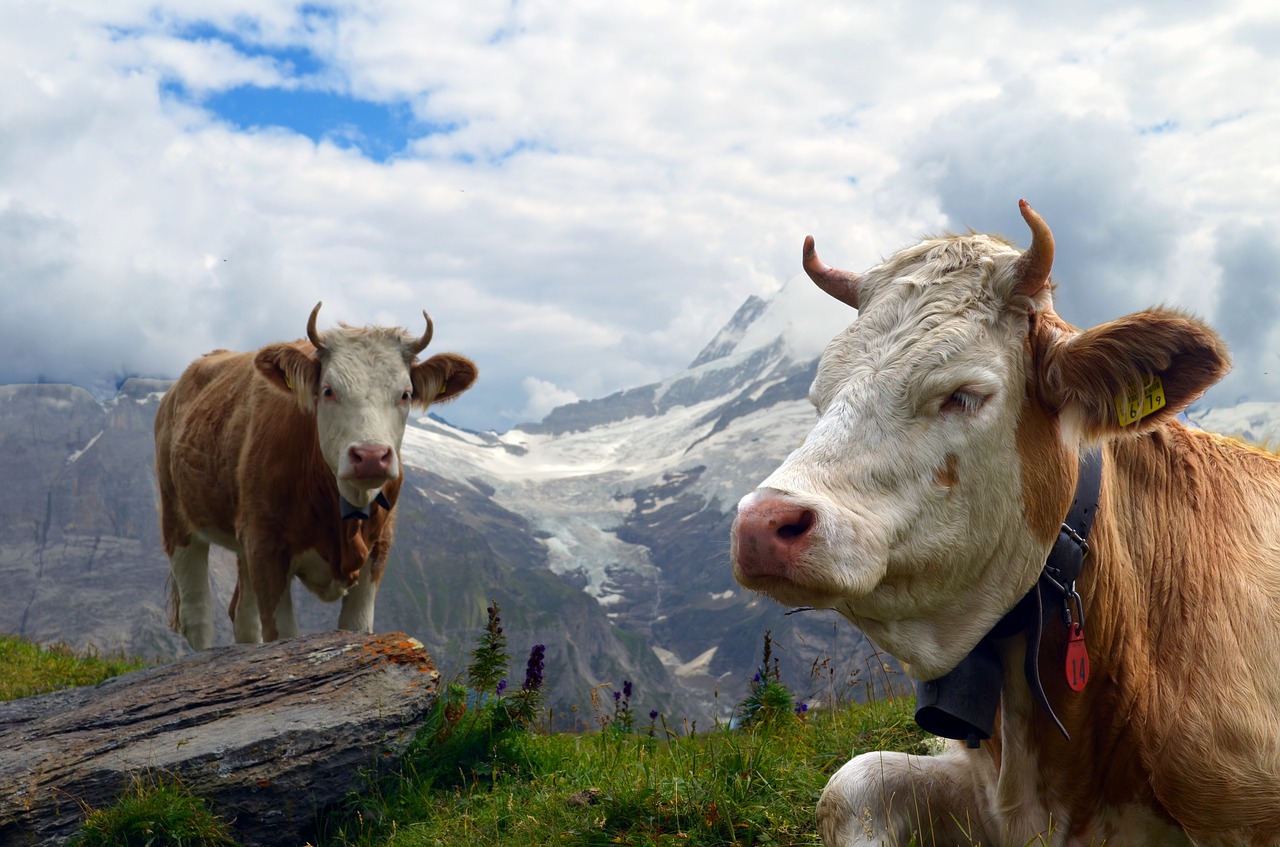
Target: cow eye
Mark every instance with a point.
(962, 401)
(405, 396)
(328, 393)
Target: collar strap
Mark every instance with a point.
(350, 511)
(962, 704)
(1066, 560)
(1061, 570)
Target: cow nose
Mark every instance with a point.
(370, 460)
(771, 532)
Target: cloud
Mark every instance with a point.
(1084, 174)
(1248, 303)
(580, 195)
(542, 397)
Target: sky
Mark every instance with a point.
(581, 194)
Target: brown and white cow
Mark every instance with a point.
(924, 502)
(290, 457)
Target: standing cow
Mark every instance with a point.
(960, 424)
(290, 457)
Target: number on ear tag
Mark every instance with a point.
(1077, 658)
(1133, 405)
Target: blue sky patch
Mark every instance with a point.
(309, 107)
(378, 130)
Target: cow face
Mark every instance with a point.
(924, 501)
(360, 383)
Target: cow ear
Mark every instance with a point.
(1131, 374)
(291, 370)
(442, 377)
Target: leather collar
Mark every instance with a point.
(962, 704)
(350, 511)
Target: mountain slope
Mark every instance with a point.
(602, 531)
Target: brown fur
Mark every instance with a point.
(1181, 591)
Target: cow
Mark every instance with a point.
(1135, 703)
(290, 457)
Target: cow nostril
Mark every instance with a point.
(802, 523)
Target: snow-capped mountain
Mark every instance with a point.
(1255, 422)
(602, 530)
(632, 495)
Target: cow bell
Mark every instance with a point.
(962, 704)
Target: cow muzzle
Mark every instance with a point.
(770, 538)
(369, 464)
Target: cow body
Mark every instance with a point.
(264, 453)
(925, 501)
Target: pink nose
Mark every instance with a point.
(370, 460)
(771, 533)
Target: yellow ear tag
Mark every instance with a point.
(288, 383)
(1133, 406)
(443, 388)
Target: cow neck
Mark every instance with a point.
(962, 704)
(350, 511)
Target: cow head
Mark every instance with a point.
(360, 383)
(924, 501)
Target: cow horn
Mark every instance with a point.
(842, 285)
(421, 344)
(1034, 265)
(316, 338)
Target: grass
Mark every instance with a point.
(750, 786)
(477, 775)
(480, 771)
(154, 812)
(27, 669)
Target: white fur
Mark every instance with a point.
(367, 380)
(925, 571)
(190, 568)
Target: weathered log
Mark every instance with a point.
(269, 734)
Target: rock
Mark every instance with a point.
(269, 734)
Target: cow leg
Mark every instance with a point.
(286, 622)
(886, 798)
(269, 566)
(357, 604)
(244, 606)
(190, 568)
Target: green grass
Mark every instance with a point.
(27, 669)
(476, 775)
(154, 812)
(752, 786)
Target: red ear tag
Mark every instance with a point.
(1077, 658)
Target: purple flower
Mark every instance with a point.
(653, 715)
(802, 707)
(626, 688)
(502, 686)
(533, 671)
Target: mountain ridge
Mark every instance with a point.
(602, 530)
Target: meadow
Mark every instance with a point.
(484, 770)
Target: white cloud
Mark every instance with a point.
(603, 185)
(543, 396)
